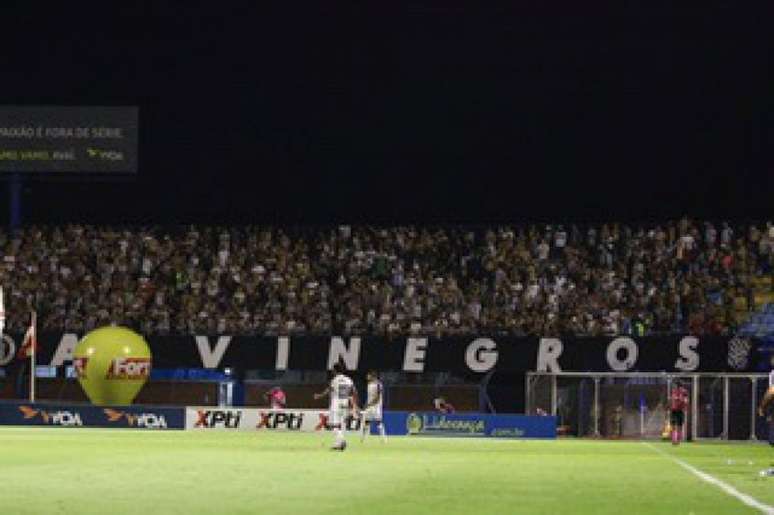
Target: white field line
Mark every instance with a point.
(728, 489)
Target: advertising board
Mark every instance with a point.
(84, 415)
(76, 139)
(396, 422)
(469, 424)
(258, 419)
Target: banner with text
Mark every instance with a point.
(469, 424)
(474, 355)
(396, 423)
(68, 139)
(257, 419)
(82, 415)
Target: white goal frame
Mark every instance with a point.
(668, 377)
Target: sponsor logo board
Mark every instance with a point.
(130, 417)
(256, 419)
(280, 420)
(144, 420)
(469, 424)
(218, 418)
(446, 425)
(62, 417)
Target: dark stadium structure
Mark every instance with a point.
(386, 173)
(233, 234)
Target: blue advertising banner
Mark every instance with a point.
(81, 415)
(469, 424)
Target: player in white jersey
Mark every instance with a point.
(342, 399)
(372, 413)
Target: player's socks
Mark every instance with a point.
(339, 445)
(381, 432)
(363, 430)
(339, 437)
(675, 436)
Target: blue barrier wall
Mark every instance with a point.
(81, 415)
(469, 424)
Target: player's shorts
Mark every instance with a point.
(338, 413)
(677, 417)
(373, 414)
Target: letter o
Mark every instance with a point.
(632, 352)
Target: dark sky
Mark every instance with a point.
(413, 113)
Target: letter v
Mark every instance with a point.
(211, 357)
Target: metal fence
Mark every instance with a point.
(635, 404)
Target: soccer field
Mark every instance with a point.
(113, 472)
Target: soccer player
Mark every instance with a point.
(771, 374)
(678, 403)
(442, 406)
(276, 397)
(766, 409)
(372, 413)
(342, 398)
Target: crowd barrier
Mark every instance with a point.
(469, 424)
(395, 422)
(257, 419)
(84, 415)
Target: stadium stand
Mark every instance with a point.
(760, 324)
(680, 276)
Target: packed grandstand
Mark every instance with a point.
(680, 276)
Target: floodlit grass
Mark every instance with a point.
(114, 472)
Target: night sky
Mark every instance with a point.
(408, 114)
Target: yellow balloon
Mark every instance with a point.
(112, 365)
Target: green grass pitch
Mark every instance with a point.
(115, 472)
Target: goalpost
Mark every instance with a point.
(635, 404)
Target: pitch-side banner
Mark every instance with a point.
(257, 419)
(469, 424)
(83, 415)
(396, 422)
(469, 355)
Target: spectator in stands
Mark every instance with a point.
(599, 279)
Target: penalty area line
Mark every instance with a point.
(728, 489)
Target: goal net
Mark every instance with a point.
(635, 404)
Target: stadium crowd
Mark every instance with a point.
(525, 280)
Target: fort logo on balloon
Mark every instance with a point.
(112, 365)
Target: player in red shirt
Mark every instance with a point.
(766, 410)
(276, 398)
(678, 403)
(442, 406)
